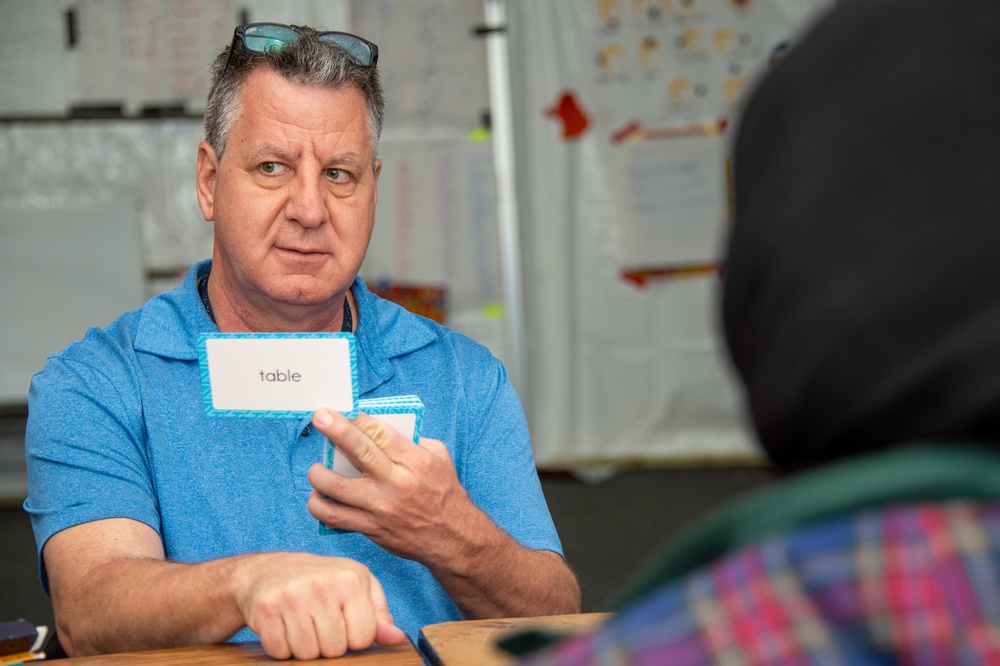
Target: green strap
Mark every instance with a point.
(915, 473)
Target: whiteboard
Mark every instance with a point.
(61, 272)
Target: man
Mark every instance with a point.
(158, 525)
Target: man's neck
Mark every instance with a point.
(239, 315)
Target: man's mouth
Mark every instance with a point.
(301, 250)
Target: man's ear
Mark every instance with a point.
(377, 171)
(208, 171)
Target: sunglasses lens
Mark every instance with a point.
(360, 51)
(262, 38)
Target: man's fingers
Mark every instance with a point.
(301, 636)
(383, 435)
(338, 512)
(332, 635)
(386, 632)
(270, 629)
(359, 617)
(352, 442)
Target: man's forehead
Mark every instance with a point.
(279, 116)
(293, 151)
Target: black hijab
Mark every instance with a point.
(861, 295)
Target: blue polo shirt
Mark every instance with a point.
(117, 429)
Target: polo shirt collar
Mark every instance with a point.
(171, 322)
(384, 332)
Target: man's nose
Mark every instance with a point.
(306, 202)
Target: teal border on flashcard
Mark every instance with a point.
(402, 408)
(206, 382)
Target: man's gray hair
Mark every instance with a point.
(306, 60)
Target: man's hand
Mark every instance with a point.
(409, 499)
(307, 606)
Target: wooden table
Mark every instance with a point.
(472, 642)
(243, 653)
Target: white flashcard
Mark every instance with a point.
(287, 375)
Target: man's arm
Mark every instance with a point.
(410, 502)
(113, 591)
(494, 576)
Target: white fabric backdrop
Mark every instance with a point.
(620, 110)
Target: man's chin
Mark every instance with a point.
(305, 293)
(306, 300)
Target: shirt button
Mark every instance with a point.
(305, 431)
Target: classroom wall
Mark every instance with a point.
(622, 361)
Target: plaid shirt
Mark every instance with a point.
(906, 583)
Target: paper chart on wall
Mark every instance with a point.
(158, 53)
(649, 88)
(433, 66)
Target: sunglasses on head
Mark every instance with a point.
(264, 37)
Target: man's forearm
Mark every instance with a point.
(141, 604)
(494, 576)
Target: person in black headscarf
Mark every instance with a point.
(861, 302)
(861, 308)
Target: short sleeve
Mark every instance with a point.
(499, 465)
(84, 442)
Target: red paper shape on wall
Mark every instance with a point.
(574, 119)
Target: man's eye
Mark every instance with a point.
(269, 168)
(338, 175)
